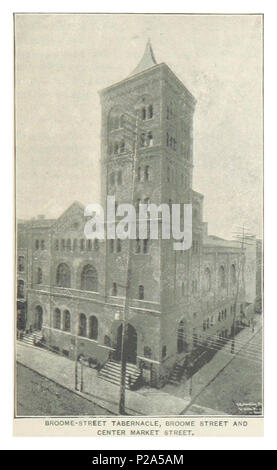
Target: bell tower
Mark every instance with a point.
(149, 114)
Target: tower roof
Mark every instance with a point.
(147, 60)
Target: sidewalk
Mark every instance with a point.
(210, 370)
(171, 400)
(62, 371)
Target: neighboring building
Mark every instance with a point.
(75, 288)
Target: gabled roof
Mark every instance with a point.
(148, 59)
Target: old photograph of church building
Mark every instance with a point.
(113, 326)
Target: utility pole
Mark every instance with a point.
(242, 237)
(128, 280)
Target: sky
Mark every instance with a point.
(61, 63)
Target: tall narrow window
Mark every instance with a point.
(39, 276)
(150, 111)
(118, 245)
(141, 292)
(93, 328)
(42, 244)
(139, 174)
(63, 277)
(89, 244)
(75, 244)
(114, 289)
(142, 140)
(82, 325)
(138, 245)
(143, 114)
(233, 274)
(57, 245)
(68, 244)
(20, 289)
(21, 264)
(96, 244)
(150, 139)
(89, 278)
(37, 244)
(145, 246)
(57, 319)
(147, 173)
(112, 246)
(63, 244)
(66, 321)
(82, 244)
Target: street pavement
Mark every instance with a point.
(62, 371)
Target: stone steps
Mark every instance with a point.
(111, 372)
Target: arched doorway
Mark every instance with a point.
(38, 317)
(130, 344)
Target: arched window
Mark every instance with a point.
(20, 289)
(233, 274)
(82, 325)
(208, 279)
(114, 289)
(89, 278)
(21, 264)
(63, 278)
(141, 292)
(57, 319)
(93, 328)
(66, 321)
(39, 276)
(221, 277)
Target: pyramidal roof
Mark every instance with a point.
(147, 60)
